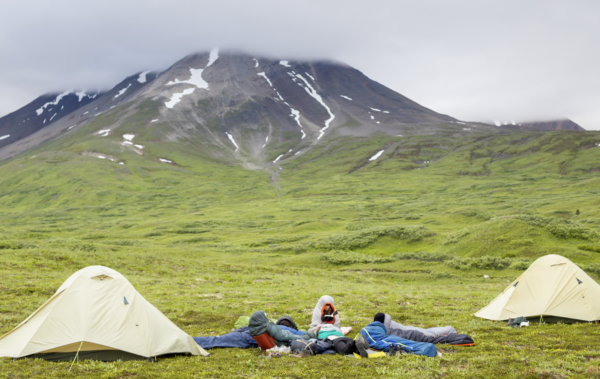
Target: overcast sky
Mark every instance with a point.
(475, 60)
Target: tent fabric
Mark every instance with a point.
(88, 313)
(551, 286)
(317, 312)
(391, 326)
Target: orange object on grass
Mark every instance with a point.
(265, 341)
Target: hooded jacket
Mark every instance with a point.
(390, 326)
(259, 324)
(378, 339)
(318, 312)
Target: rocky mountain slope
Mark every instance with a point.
(40, 113)
(242, 109)
(563, 124)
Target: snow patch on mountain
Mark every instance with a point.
(278, 158)
(284, 63)
(122, 91)
(232, 141)
(310, 76)
(374, 157)
(375, 109)
(165, 160)
(53, 116)
(255, 60)
(214, 55)
(55, 102)
(195, 80)
(128, 137)
(4, 137)
(104, 132)
(176, 97)
(296, 115)
(311, 91)
(265, 76)
(346, 97)
(142, 77)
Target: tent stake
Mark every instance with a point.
(76, 356)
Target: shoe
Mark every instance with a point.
(362, 345)
(396, 350)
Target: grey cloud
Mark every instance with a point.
(474, 60)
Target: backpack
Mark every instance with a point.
(304, 347)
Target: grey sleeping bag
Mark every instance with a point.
(432, 332)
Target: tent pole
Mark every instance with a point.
(76, 355)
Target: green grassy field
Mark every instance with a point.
(410, 234)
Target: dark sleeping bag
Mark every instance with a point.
(415, 335)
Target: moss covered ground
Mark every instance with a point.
(411, 234)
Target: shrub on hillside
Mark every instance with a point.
(11, 245)
(561, 228)
(454, 237)
(366, 237)
(354, 226)
(592, 269)
(340, 257)
(490, 263)
(274, 240)
(593, 249)
(422, 256)
(477, 214)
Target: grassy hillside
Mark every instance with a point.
(410, 234)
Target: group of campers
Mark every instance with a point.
(326, 336)
(97, 314)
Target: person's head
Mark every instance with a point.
(379, 317)
(327, 309)
(287, 324)
(287, 321)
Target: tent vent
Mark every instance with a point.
(516, 284)
(578, 281)
(558, 264)
(125, 300)
(101, 277)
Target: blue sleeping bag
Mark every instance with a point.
(378, 339)
(240, 338)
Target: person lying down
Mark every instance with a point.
(446, 334)
(241, 338)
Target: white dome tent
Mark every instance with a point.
(552, 286)
(97, 314)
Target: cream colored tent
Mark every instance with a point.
(551, 286)
(97, 314)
